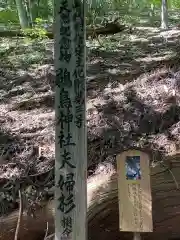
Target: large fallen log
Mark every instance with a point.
(110, 28)
(103, 219)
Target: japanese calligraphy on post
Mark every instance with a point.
(70, 165)
(134, 192)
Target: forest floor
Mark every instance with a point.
(133, 100)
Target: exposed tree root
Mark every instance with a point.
(103, 219)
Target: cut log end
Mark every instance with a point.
(103, 213)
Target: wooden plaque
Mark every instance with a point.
(134, 192)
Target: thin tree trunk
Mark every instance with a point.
(22, 13)
(71, 159)
(164, 14)
(33, 7)
(35, 11)
(30, 11)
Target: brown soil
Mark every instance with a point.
(132, 101)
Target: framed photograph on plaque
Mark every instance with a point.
(134, 192)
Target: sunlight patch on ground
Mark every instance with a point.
(111, 68)
(149, 29)
(116, 90)
(156, 58)
(135, 38)
(120, 71)
(113, 71)
(160, 33)
(169, 33)
(5, 45)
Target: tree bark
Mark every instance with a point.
(164, 14)
(22, 13)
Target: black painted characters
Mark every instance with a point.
(70, 83)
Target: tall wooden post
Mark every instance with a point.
(71, 159)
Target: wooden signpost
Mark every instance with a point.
(71, 151)
(134, 192)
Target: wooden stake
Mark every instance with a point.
(136, 236)
(70, 99)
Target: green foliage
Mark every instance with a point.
(45, 9)
(38, 31)
(40, 23)
(97, 8)
(21, 53)
(134, 12)
(8, 17)
(174, 4)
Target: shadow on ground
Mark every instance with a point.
(122, 110)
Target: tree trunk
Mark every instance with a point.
(70, 98)
(164, 14)
(33, 7)
(29, 7)
(22, 13)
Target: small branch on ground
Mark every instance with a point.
(49, 237)
(19, 216)
(175, 181)
(46, 234)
